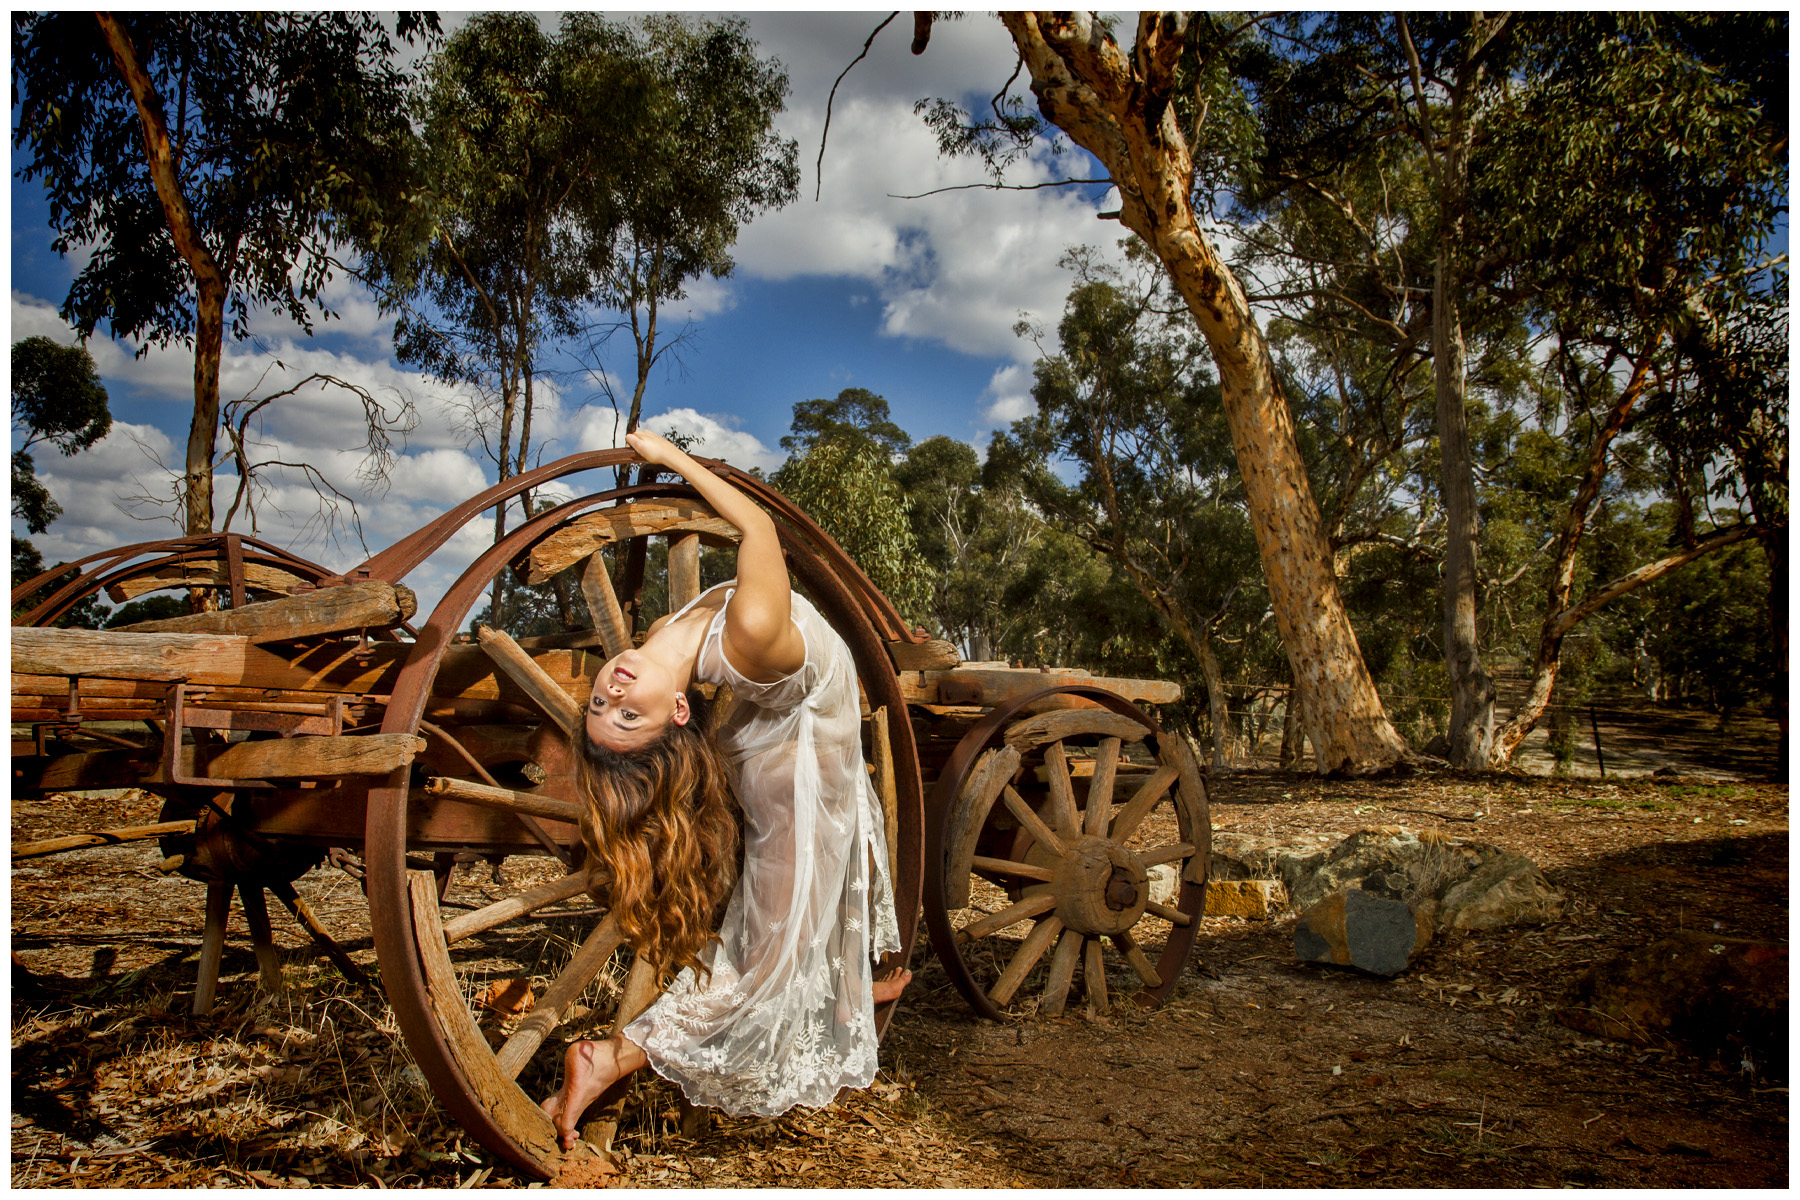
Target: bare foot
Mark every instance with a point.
(589, 1069)
(891, 983)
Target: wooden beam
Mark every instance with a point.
(101, 837)
(1007, 917)
(1022, 813)
(1140, 805)
(513, 907)
(531, 804)
(1093, 973)
(1100, 787)
(311, 757)
(212, 946)
(990, 687)
(1055, 726)
(1018, 870)
(547, 1013)
(321, 936)
(603, 605)
(1062, 791)
(886, 785)
(257, 577)
(543, 688)
(262, 937)
(366, 604)
(605, 526)
(684, 570)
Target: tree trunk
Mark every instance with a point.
(1117, 107)
(1471, 690)
(1217, 710)
(209, 279)
(1293, 731)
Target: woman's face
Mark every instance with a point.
(633, 700)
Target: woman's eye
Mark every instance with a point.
(628, 715)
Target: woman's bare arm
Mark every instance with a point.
(761, 638)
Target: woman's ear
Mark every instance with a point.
(681, 708)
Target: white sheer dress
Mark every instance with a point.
(786, 1015)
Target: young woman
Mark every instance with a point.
(777, 1009)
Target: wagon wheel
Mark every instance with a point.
(1046, 844)
(493, 763)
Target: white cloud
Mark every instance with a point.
(1007, 397)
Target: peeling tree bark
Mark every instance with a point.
(209, 279)
(1117, 107)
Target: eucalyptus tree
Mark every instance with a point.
(702, 160)
(854, 414)
(1642, 172)
(1164, 120)
(1129, 400)
(208, 164)
(57, 400)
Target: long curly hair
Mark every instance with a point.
(661, 823)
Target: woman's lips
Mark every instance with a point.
(621, 673)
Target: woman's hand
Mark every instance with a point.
(657, 449)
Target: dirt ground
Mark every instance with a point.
(1260, 1071)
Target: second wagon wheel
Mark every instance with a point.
(1048, 845)
(497, 722)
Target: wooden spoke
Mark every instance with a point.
(640, 991)
(1032, 949)
(547, 1013)
(1099, 797)
(532, 679)
(1018, 870)
(1139, 806)
(1062, 791)
(603, 604)
(1022, 813)
(502, 911)
(212, 945)
(1173, 916)
(1093, 972)
(1062, 973)
(262, 938)
(100, 837)
(504, 799)
(1140, 962)
(1173, 852)
(1007, 917)
(992, 770)
(887, 788)
(315, 929)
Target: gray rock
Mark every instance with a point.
(1394, 863)
(1503, 889)
(1355, 928)
(1250, 856)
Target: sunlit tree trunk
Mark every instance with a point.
(209, 279)
(1117, 106)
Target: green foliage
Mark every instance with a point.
(57, 398)
(27, 564)
(855, 415)
(848, 487)
(288, 132)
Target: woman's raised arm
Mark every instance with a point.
(761, 638)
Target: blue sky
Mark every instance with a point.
(911, 299)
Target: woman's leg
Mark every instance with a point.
(588, 1070)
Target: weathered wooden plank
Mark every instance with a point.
(1093, 974)
(1018, 870)
(604, 526)
(934, 655)
(1007, 917)
(885, 784)
(313, 757)
(995, 766)
(1062, 790)
(1023, 814)
(1054, 726)
(990, 687)
(1126, 823)
(365, 604)
(257, 576)
(1062, 972)
(1100, 787)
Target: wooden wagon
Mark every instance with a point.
(1039, 820)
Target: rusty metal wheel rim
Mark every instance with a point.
(846, 607)
(941, 814)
